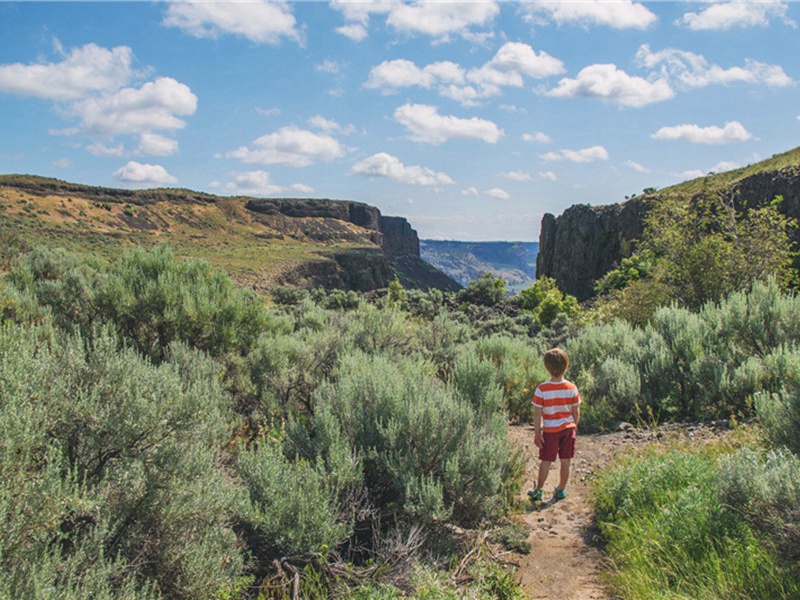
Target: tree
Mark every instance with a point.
(545, 301)
(485, 290)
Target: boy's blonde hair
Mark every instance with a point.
(556, 362)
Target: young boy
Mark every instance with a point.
(555, 420)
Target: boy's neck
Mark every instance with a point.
(558, 379)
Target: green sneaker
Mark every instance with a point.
(560, 494)
(535, 494)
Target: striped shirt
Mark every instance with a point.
(556, 400)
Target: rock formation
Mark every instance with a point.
(585, 242)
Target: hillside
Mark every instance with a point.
(585, 242)
(260, 243)
(514, 262)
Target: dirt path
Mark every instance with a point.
(565, 561)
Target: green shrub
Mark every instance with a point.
(767, 490)
(294, 505)
(484, 291)
(426, 453)
(154, 299)
(669, 535)
(780, 414)
(545, 301)
(109, 475)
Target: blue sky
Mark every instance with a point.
(471, 119)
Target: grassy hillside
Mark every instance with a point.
(256, 250)
(721, 181)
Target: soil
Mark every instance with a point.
(566, 560)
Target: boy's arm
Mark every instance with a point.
(576, 413)
(537, 426)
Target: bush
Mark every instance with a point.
(109, 476)
(545, 301)
(427, 453)
(767, 490)
(484, 291)
(294, 505)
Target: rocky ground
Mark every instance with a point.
(565, 561)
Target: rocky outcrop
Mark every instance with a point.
(398, 238)
(585, 242)
(357, 213)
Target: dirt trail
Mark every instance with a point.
(565, 561)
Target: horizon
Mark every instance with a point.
(471, 120)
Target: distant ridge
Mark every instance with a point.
(260, 242)
(514, 262)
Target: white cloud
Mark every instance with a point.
(694, 71)
(329, 66)
(725, 165)
(580, 156)
(157, 145)
(516, 176)
(62, 163)
(98, 149)
(540, 137)
(470, 191)
(619, 14)
(607, 82)
(727, 15)
(733, 131)
(263, 22)
(330, 126)
(154, 106)
(84, 70)
(639, 168)
(498, 193)
(268, 112)
(258, 183)
(548, 175)
(290, 146)
(691, 174)
(439, 20)
(354, 31)
(510, 65)
(144, 174)
(426, 125)
(390, 167)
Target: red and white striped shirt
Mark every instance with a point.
(556, 400)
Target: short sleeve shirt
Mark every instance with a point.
(556, 400)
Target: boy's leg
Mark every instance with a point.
(564, 473)
(544, 469)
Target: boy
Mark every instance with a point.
(555, 420)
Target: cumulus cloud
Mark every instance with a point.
(257, 183)
(516, 176)
(329, 66)
(99, 149)
(390, 167)
(425, 124)
(290, 146)
(586, 155)
(639, 168)
(694, 71)
(85, 70)
(733, 131)
(498, 193)
(439, 20)
(510, 65)
(144, 175)
(330, 126)
(538, 136)
(470, 191)
(618, 14)
(155, 106)
(727, 15)
(263, 22)
(549, 175)
(607, 82)
(691, 174)
(725, 165)
(154, 144)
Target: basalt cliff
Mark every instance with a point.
(585, 242)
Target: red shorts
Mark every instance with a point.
(560, 443)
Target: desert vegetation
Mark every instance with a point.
(171, 434)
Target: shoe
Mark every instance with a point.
(560, 494)
(535, 494)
